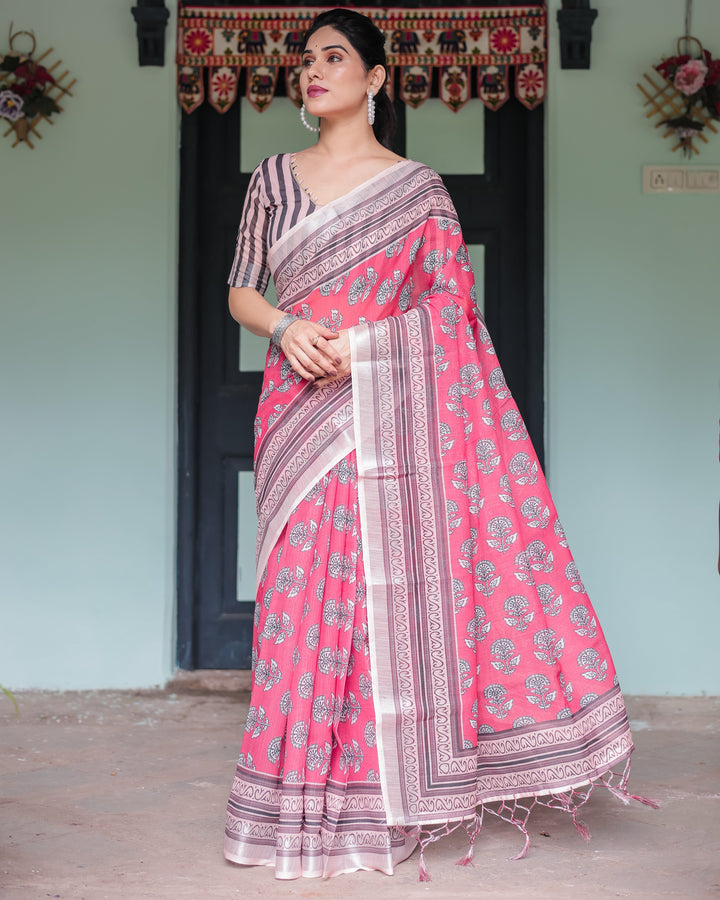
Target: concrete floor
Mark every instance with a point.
(122, 794)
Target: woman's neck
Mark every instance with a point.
(347, 140)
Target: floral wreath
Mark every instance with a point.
(25, 88)
(698, 81)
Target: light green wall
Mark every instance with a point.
(446, 141)
(633, 340)
(87, 363)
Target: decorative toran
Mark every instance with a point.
(484, 42)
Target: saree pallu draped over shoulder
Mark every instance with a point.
(425, 649)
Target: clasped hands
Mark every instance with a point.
(316, 353)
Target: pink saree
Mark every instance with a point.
(424, 647)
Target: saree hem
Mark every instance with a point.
(331, 867)
(328, 864)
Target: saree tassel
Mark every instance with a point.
(621, 791)
(624, 778)
(509, 814)
(416, 834)
(563, 800)
(646, 801)
(432, 835)
(581, 827)
(467, 860)
(626, 798)
(424, 874)
(623, 796)
(570, 803)
(519, 825)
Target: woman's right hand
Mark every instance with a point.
(309, 349)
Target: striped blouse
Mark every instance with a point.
(274, 204)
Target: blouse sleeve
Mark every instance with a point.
(250, 268)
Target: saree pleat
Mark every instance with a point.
(306, 796)
(424, 647)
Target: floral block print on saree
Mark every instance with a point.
(425, 649)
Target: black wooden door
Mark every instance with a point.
(501, 209)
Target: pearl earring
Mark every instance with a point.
(371, 108)
(305, 121)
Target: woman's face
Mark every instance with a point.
(333, 78)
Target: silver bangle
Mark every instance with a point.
(281, 328)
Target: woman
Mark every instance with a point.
(424, 646)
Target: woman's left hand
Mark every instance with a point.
(341, 345)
